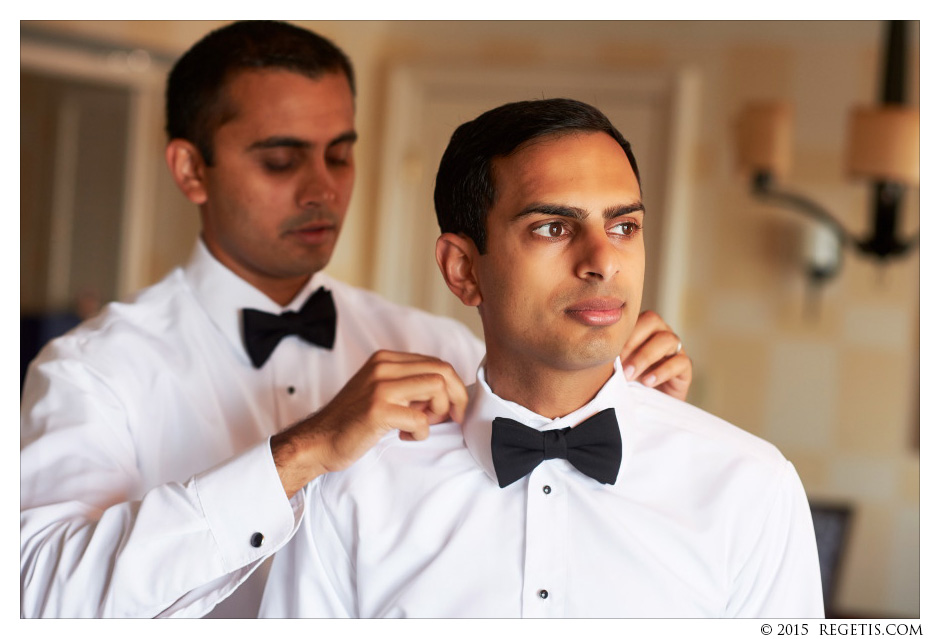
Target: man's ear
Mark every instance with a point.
(188, 169)
(457, 257)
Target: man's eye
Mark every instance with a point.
(626, 229)
(339, 155)
(552, 229)
(278, 167)
(278, 162)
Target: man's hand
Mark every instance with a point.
(392, 391)
(653, 354)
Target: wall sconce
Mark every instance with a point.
(883, 148)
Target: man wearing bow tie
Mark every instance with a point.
(164, 442)
(566, 490)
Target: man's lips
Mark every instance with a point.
(314, 233)
(596, 311)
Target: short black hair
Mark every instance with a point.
(464, 191)
(195, 100)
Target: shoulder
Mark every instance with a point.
(703, 464)
(394, 326)
(126, 330)
(384, 311)
(688, 431)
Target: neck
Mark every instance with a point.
(548, 392)
(281, 290)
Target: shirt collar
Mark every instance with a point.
(223, 294)
(484, 406)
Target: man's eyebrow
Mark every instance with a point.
(626, 209)
(286, 141)
(539, 208)
(278, 141)
(345, 138)
(577, 213)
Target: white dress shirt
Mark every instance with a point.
(704, 520)
(146, 467)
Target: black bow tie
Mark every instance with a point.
(315, 322)
(593, 447)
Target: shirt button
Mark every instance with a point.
(546, 489)
(290, 390)
(257, 539)
(543, 594)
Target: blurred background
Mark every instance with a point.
(825, 366)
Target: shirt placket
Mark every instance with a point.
(291, 383)
(546, 543)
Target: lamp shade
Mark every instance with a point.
(763, 137)
(884, 144)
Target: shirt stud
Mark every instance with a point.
(546, 489)
(257, 539)
(543, 594)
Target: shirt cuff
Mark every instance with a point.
(246, 508)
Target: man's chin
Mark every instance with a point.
(588, 354)
(311, 261)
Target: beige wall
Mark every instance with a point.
(836, 391)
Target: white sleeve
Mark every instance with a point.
(94, 544)
(780, 578)
(308, 579)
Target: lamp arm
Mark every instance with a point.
(764, 187)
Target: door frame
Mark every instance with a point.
(143, 75)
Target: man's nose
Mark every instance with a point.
(598, 257)
(318, 186)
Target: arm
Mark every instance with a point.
(653, 354)
(96, 541)
(392, 391)
(780, 577)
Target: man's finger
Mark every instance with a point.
(454, 388)
(660, 346)
(412, 424)
(647, 324)
(674, 369)
(400, 356)
(429, 389)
